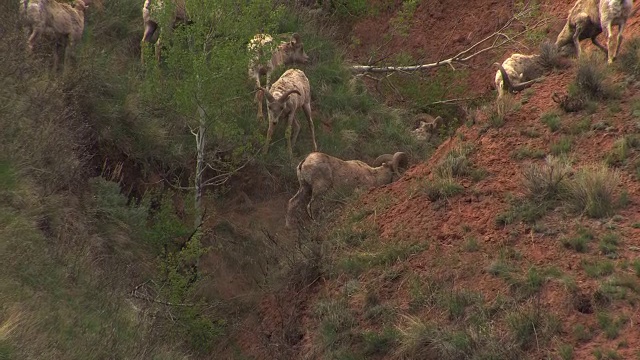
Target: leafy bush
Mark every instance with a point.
(629, 60)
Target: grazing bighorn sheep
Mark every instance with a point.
(63, 22)
(587, 19)
(521, 71)
(319, 172)
(288, 94)
(151, 23)
(286, 53)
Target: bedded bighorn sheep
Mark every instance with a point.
(288, 94)
(149, 17)
(319, 172)
(48, 19)
(428, 126)
(521, 71)
(588, 18)
(287, 53)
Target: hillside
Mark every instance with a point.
(485, 273)
(511, 236)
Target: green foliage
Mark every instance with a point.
(442, 187)
(610, 325)
(606, 354)
(546, 181)
(609, 244)
(355, 264)
(401, 22)
(336, 319)
(565, 351)
(379, 343)
(471, 244)
(598, 269)
(529, 327)
(526, 152)
(579, 242)
(582, 333)
(592, 191)
(629, 60)
(552, 120)
(561, 146)
(636, 266)
(456, 163)
(591, 78)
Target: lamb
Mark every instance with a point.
(286, 53)
(289, 93)
(151, 23)
(587, 19)
(62, 22)
(319, 172)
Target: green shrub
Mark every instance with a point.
(562, 146)
(592, 191)
(552, 120)
(591, 77)
(580, 242)
(629, 60)
(546, 181)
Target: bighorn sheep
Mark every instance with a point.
(521, 71)
(289, 93)
(286, 53)
(319, 172)
(150, 21)
(428, 126)
(587, 19)
(62, 22)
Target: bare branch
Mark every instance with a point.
(493, 41)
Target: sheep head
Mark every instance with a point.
(396, 162)
(294, 51)
(277, 106)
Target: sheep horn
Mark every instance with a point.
(400, 160)
(266, 92)
(284, 97)
(384, 158)
(295, 38)
(506, 82)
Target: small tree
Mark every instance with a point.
(204, 71)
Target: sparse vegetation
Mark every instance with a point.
(552, 120)
(592, 191)
(591, 78)
(610, 325)
(598, 268)
(561, 146)
(526, 152)
(580, 242)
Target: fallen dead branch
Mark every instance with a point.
(493, 41)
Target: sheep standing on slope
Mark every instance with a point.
(319, 172)
(288, 94)
(614, 12)
(50, 19)
(150, 21)
(587, 19)
(286, 53)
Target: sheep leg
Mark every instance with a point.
(259, 98)
(307, 112)
(576, 40)
(595, 42)
(158, 48)
(272, 125)
(147, 37)
(319, 187)
(293, 132)
(302, 194)
(619, 42)
(610, 45)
